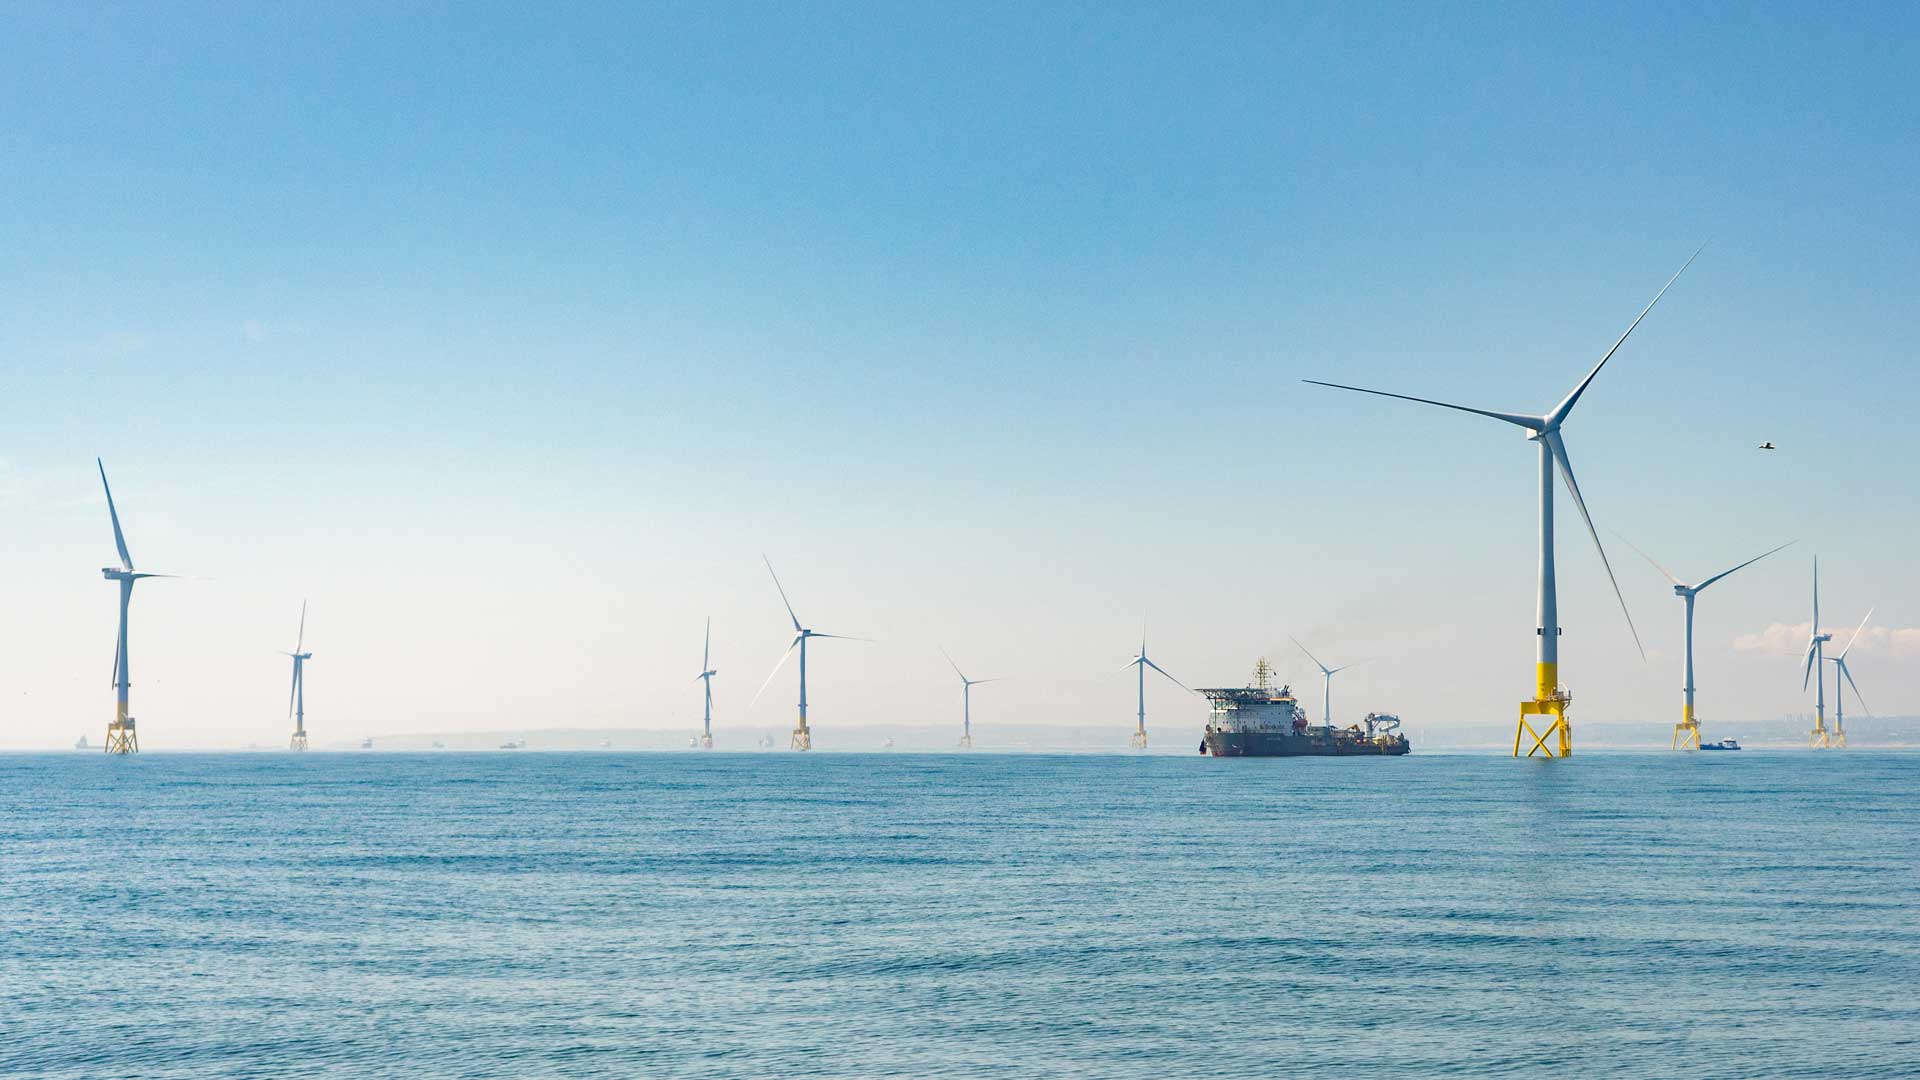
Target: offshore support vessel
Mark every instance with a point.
(1264, 720)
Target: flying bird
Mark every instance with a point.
(1768, 446)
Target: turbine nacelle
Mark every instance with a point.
(115, 573)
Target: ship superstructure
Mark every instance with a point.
(1263, 719)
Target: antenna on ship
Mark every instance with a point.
(1549, 702)
(297, 696)
(1141, 664)
(966, 701)
(1326, 687)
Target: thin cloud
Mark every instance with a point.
(1780, 639)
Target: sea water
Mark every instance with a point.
(789, 915)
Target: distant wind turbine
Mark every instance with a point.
(1842, 671)
(1686, 733)
(1549, 698)
(706, 676)
(802, 735)
(1141, 664)
(1326, 685)
(1818, 738)
(121, 736)
(297, 695)
(966, 701)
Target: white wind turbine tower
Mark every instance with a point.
(706, 676)
(1686, 733)
(1140, 663)
(1818, 738)
(966, 701)
(1550, 699)
(1842, 671)
(1326, 685)
(121, 737)
(802, 735)
(297, 696)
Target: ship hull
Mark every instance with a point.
(1284, 744)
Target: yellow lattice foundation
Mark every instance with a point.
(1686, 733)
(1554, 737)
(121, 738)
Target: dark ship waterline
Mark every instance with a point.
(1264, 720)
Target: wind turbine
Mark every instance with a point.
(1818, 738)
(1549, 698)
(966, 701)
(1839, 695)
(297, 696)
(706, 676)
(1326, 687)
(802, 735)
(121, 737)
(1686, 733)
(1141, 664)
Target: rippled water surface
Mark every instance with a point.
(781, 915)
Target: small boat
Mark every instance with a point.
(514, 744)
(1723, 744)
(366, 743)
(81, 744)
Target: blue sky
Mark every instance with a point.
(513, 338)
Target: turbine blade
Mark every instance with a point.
(301, 641)
(776, 670)
(119, 538)
(951, 664)
(783, 591)
(1816, 596)
(1170, 678)
(1135, 662)
(843, 637)
(1559, 448)
(1844, 670)
(1310, 656)
(1561, 410)
(293, 687)
(1856, 632)
(1531, 423)
(706, 647)
(1744, 565)
(116, 664)
(1808, 674)
(1655, 565)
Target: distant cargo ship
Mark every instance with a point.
(1264, 720)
